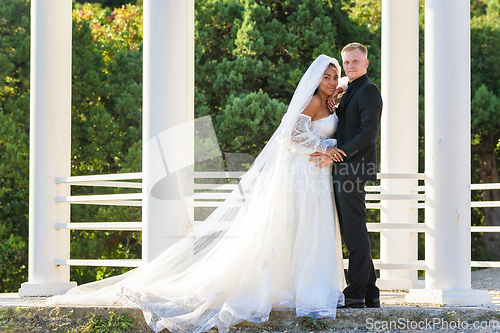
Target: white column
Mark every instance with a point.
(399, 137)
(447, 157)
(50, 146)
(168, 112)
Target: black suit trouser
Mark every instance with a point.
(351, 208)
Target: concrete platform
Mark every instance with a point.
(394, 315)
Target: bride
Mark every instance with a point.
(273, 243)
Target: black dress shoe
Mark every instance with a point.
(353, 303)
(372, 302)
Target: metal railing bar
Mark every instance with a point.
(101, 197)
(485, 229)
(107, 184)
(418, 188)
(215, 186)
(420, 265)
(372, 188)
(374, 226)
(395, 197)
(419, 205)
(485, 263)
(416, 227)
(208, 195)
(216, 174)
(400, 175)
(99, 262)
(487, 186)
(485, 204)
(207, 203)
(116, 176)
(373, 205)
(130, 226)
(109, 203)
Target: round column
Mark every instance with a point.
(399, 137)
(447, 157)
(50, 146)
(168, 112)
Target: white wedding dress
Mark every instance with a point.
(274, 243)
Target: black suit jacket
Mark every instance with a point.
(359, 123)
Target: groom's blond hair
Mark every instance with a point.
(355, 46)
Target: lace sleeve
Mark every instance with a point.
(306, 141)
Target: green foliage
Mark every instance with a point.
(106, 127)
(245, 47)
(485, 89)
(246, 123)
(14, 142)
(111, 3)
(112, 30)
(493, 7)
(115, 324)
(366, 20)
(366, 12)
(107, 88)
(106, 130)
(485, 52)
(485, 115)
(478, 7)
(249, 56)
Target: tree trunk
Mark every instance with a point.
(114, 240)
(489, 174)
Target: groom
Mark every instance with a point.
(355, 156)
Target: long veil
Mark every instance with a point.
(196, 283)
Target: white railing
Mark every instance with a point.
(209, 199)
(129, 199)
(482, 187)
(204, 196)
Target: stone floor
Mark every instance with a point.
(33, 315)
(388, 299)
(395, 315)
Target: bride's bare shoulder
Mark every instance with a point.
(313, 108)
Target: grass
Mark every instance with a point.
(115, 324)
(311, 324)
(25, 319)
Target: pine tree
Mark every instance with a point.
(250, 55)
(14, 142)
(485, 115)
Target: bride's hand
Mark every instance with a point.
(337, 155)
(330, 102)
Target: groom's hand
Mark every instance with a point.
(321, 159)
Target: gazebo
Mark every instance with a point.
(168, 117)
